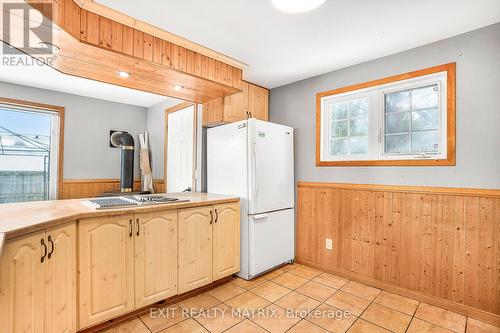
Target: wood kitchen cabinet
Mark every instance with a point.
(258, 102)
(106, 268)
(155, 257)
(209, 244)
(251, 102)
(226, 240)
(60, 299)
(195, 247)
(38, 282)
(126, 263)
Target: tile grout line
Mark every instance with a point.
(142, 321)
(305, 318)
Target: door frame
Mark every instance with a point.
(60, 149)
(175, 108)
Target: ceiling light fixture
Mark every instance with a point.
(123, 74)
(178, 87)
(297, 6)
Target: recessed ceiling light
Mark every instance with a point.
(297, 6)
(52, 47)
(123, 74)
(178, 87)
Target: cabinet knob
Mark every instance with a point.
(211, 216)
(216, 215)
(130, 228)
(137, 222)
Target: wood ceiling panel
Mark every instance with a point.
(96, 47)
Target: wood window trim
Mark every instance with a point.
(172, 109)
(60, 111)
(450, 69)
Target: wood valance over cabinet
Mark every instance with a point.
(97, 45)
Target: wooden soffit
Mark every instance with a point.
(96, 46)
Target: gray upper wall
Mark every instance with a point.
(87, 154)
(477, 55)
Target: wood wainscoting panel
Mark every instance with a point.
(438, 242)
(89, 188)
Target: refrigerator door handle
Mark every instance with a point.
(259, 216)
(256, 181)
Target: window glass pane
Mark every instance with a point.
(340, 111)
(359, 126)
(397, 144)
(338, 147)
(25, 151)
(397, 122)
(425, 98)
(339, 129)
(422, 142)
(358, 107)
(349, 127)
(425, 119)
(358, 145)
(397, 101)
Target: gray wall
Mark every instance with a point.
(477, 55)
(86, 133)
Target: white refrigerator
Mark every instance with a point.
(253, 159)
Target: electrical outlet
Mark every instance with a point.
(329, 244)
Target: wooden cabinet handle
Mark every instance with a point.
(211, 217)
(52, 246)
(137, 222)
(44, 250)
(216, 215)
(130, 228)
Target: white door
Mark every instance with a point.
(180, 149)
(271, 181)
(271, 240)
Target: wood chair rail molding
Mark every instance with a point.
(438, 245)
(477, 192)
(96, 47)
(450, 69)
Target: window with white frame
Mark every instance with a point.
(400, 120)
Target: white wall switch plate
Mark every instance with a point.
(329, 244)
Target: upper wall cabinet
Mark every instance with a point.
(251, 102)
(96, 42)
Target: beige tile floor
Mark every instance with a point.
(299, 299)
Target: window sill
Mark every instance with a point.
(424, 162)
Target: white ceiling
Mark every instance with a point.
(283, 48)
(46, 77)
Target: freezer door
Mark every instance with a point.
(271, 240)
(270, 161)
(227, 160)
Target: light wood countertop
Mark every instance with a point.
(17, 219)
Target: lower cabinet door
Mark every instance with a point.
(226, 240)
(195, 247)
(22, 285)
(106, 268)
(155, 257)
(60, 291)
